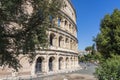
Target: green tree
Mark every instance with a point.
(108, 40)
(109, 69)
(93, 52)
(22, 32)
(108, 44)
(88, 48)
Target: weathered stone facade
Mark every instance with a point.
(62, 54)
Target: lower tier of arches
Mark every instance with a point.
(44, 63)
(53, 63)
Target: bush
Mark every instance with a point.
(91, 57)
(109, 69)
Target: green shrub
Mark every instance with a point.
(109, 69)
(91, 57)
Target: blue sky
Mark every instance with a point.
(89, 14)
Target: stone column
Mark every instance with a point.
(72, 62)
(73, 45)
(54, 41)
(46, 63)
(49, 38)
(57, 40)
(68, 26)
(64, 44)
(33, 68)
(69, 63)
(62, 23)
(57, 63)
(77, 64)
(68, 43)
(43, 65)
(64, 63)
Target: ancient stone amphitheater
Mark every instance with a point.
(62, 54)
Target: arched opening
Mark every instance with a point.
(60, 41)
(52, 39)
(51, 63)
(59, 22)
(39, 64)
(65, 22)
(67, 42)
(60, 63)
(66, 25)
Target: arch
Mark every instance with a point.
(66, 40)
(59, 22)
(52, 39)
(51, 63)
(66, 25)
(60, 63)
(67, 43)
(61, 41)
(39, 65)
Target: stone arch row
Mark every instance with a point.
(53, 63)
(65, 25)
(69, 7)
(61, 41)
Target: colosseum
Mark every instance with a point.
(62, 54)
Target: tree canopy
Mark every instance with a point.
(88, 48)
(23, 26)
(108, 40)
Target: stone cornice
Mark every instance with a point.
(54, 50)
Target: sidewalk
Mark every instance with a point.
(73, 76)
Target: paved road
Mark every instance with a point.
(88, 68)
